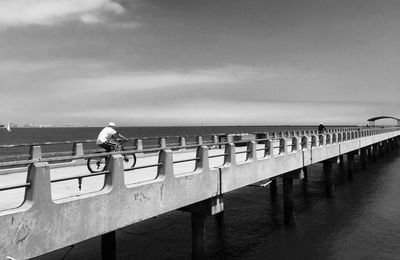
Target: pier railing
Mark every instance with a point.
(26, 151)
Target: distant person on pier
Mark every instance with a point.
(108, 137)
(321, 128)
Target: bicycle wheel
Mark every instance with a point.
(96, 164)
(129, 161)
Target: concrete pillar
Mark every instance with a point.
(162, 143)
(305, 172)
(108, 246)
(215, 139)
(327, 168)
(363, 158)
(273, 188)
(198, 235)
(381, 149)
(35, 152)
(375, 152)
(350, 165)
(387, 146)
(288, 203)
(182, 142)
(199, 211)
(77, 149)
(369, 153)
(392, 144)
(199, 140)
(138, 144)
(341, 162)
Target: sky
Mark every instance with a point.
(187, 62)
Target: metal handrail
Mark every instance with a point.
(14, 186)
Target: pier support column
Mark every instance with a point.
(305, 172)
(392, 144)
(387, 146)
(381, 149)
(198, 235)
(363, 158)
(375, 152)
(287, 179)
(327, 167)
(273, 188)
(350, 165)
(108, 246)
(199, 211)
(288, 200)
(341, 162)
(369, 154)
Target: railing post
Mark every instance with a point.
(139, 144)
(202, 154)
(199, 140)
(215, 139)
(230, 157)
(282, 146)
(182, 142)
(39, 193)
(78, 149)
(35, 152)
(162, 143)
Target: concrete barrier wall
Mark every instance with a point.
(42, 225)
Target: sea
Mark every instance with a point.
(360, 221)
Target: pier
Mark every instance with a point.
(60, 203)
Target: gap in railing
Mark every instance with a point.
(143, 174)
(74, 187)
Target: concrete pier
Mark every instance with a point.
(193, 180)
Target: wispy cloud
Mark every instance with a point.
(15, 13)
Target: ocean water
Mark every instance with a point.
(360, 221)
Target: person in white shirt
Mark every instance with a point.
(108, 137)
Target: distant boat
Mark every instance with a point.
(8, 127)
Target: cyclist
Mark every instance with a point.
(321, 128)
(108, 137)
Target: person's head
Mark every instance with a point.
(112, 124)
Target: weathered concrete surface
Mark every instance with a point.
(53, 218)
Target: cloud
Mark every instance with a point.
(14, 13)
(123, 80)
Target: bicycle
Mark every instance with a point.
(99, 163)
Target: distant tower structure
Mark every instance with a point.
(371, 121)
